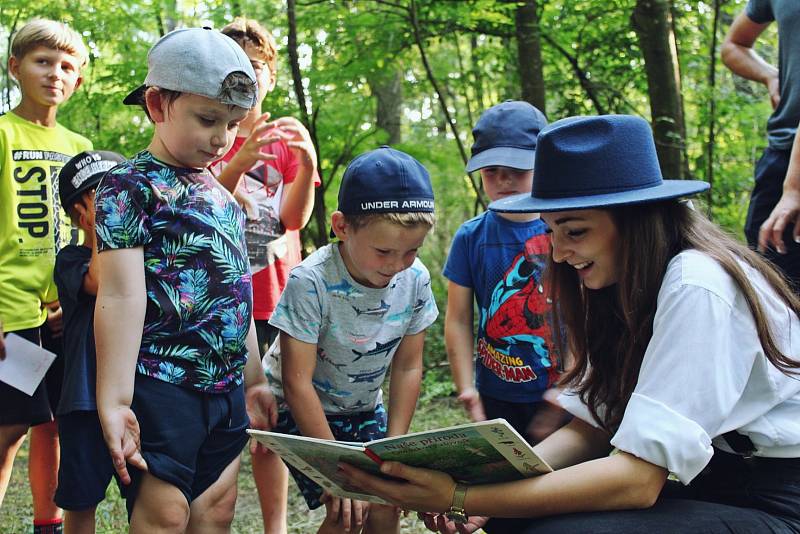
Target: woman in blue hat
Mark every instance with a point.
(685, 347)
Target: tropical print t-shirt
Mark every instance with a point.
(356, 329)
(199, 287)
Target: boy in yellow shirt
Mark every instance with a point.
(46, 61)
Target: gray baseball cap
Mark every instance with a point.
(197, 61)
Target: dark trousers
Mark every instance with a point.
(769, 176)
(732, 495)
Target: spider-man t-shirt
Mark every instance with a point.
(502, 261)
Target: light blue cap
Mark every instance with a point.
(197, 61)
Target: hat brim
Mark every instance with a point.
(668, 189)
(503, 156)
(135, 97)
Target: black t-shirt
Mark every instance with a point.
(80, 368)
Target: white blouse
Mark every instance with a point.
(704, 373)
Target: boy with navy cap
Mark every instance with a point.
(85, 469)
(174, 325)
(498, 259)
(349, 311)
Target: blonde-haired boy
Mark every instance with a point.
(46, 61)
(349, 311)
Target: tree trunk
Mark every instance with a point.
(320, 237)
(652, 22)
(415, 26)
(529, 54)
(712, 100)
(477, 79)
(387, 88)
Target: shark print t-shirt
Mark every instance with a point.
(197, 277)
(357, 329)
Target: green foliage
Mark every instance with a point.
(591, 61)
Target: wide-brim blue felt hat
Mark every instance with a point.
(596, 162)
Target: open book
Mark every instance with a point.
(474, 453)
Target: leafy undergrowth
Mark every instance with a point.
(16, 513)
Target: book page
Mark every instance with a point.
(318, 459)
(25, 364)
(475, 453)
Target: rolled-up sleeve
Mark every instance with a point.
(692, 376)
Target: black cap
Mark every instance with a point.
(84, 172)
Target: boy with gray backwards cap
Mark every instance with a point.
(349, 311)
(498, 259)
(174, 312)
(85, 468)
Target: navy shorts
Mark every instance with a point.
(358, 427)
(16, 407)
(86, 469)
(769, 176)
(188, 437)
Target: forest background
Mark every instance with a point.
(416, 74)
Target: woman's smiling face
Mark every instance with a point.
(588, 240)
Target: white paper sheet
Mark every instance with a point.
(25, 364)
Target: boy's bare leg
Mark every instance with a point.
(79, 521)
(160, 508)
(43, 470)
(212, 512)
(272, 482)
(11, 438)
(382, 519)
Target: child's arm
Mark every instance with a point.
(298, 196)
(262, 409)
(404, 383)
(298, 361)
(118, 326)
(459, 341)
(248, 154)
(55, 318)
(90, 284)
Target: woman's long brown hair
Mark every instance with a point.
(608, 330)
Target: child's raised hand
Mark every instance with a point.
(298, 139)
(121, 432)
(250, 152)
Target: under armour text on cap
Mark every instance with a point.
(385, 180)
(198, 61)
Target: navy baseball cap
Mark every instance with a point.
(385, 180)
(505, 136)
(83, 172)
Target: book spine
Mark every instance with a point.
(374, 457)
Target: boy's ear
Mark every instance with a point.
(339, 225)
(13, 67)
(78, 83)
(154, 103)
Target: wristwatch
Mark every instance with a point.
(456, 513)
